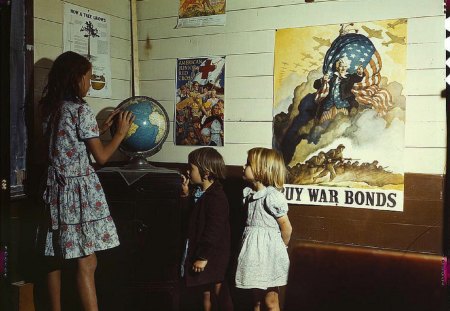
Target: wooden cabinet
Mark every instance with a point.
(143, 272)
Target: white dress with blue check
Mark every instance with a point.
(263, 260)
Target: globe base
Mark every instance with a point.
(139, 163)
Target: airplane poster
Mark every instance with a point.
(339, 113)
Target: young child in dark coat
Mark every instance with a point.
(207, 249)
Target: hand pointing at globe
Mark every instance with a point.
(123, 123)
(109, 121)
(102, 152)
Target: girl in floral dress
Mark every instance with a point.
(80, 223)
(263, 261)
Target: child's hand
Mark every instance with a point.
(109, 121)
(199, 265)
(184, 186)
(124, 121)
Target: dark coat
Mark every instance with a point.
(209, 237)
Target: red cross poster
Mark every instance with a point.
(200, 103)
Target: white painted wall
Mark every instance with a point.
(248, 42)
(48, 44)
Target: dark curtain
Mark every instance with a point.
(5, 25)
(18, 85)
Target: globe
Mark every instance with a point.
(148, 131)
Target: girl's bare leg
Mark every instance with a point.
(207, 305)
(256, 299)
(223, 297)
(211, 298)
(217, 288)
(86, 282)
(54, 289)
(271, 299)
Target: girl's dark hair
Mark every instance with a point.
(207, 159)
(63, 81)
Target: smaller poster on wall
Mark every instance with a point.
(87, 32)
(200, 102)
(197, 13)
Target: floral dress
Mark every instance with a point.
(263, 260)
(80, 220)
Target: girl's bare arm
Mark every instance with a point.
(285, 228)
(103, 152)
(109, 121)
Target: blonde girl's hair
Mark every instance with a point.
(267, 166)
(209, 160)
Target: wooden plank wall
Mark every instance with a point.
(418, 229)
(48, 44)
(247, 41)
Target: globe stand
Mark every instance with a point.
(139, 163)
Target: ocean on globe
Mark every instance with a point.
(149, 129)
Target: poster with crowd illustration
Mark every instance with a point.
(200, 101)
(339, 113)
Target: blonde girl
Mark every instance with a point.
(263, 261)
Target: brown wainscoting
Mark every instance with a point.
(419, 228)
(333, 277)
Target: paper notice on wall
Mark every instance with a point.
(87, 32)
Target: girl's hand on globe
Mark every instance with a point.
(124, 121)
(109, 121)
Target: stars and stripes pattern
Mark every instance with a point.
(358, 50)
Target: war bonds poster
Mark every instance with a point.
(87, 32)
(200, 102)
(339, 113)
(197, 13)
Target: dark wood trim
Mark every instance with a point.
(5, 26)
(29, 98)
(446, 231)
(419, 228)
(335, 277)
